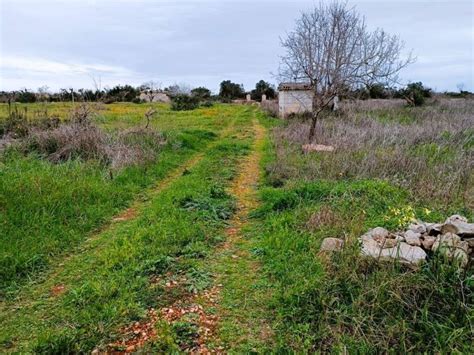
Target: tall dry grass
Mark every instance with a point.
(81, 138)
(428, 150)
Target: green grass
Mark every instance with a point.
(342, 302)
(108, 282)
(278, 296)
(47, 209)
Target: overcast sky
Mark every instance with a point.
(70, 43)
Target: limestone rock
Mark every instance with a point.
(428, 242)
(405, 253)
(461, 228)
(412, 238)
(470, 242)
(370, 247)
(332, 244)
(379, 232)
(456, 218)
(418, 227)
(451, 246)
(399, 238)
(389, 243)
(402, 252)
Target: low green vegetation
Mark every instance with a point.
(346, 303)
(343, 302)
(47, 209)
(109, 281)
(74, 278)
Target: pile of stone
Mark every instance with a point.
(454, 239)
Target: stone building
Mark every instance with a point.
(154, 96)
(294, 98)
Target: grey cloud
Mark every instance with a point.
(204, 42)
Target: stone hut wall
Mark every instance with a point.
(294, 101)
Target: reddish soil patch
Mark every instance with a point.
(58, 290)
(136, 335)
(126, 215)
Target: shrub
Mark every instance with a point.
(80, 138)
(415, 94)
(201, 93)
(16, 124)
(124, 93)
(25, 96)
(73, 140)
(183, 102)
(377, 91)
(207, 103)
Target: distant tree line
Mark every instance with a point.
(126, 93)
(187, 98)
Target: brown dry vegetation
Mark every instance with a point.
(427, 150)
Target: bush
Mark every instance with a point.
(183, 102)
(16, 124)
(207, 103)
(378, 91)
(121, 93)
(415, 94)
(25, 96)
(201, 93)
(74, 140)
(80, 138)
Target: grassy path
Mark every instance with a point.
(243, 299)
(231, 313)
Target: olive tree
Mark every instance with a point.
(332, 50)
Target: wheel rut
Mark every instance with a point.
(205, 307)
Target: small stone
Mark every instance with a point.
(461, 257)
(369, 246)
(399, 238)
(456, 218)
(412, 238)
(379, 232)
(417, 227)
(406, 254)
(332, 244)
(403, 252)
(447, 240)
(428, 242)
(451, 246)
(461, 228)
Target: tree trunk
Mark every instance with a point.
(314, 119)
(312, 131)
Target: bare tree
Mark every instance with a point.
(332, 50)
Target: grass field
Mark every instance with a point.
(213, 245)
